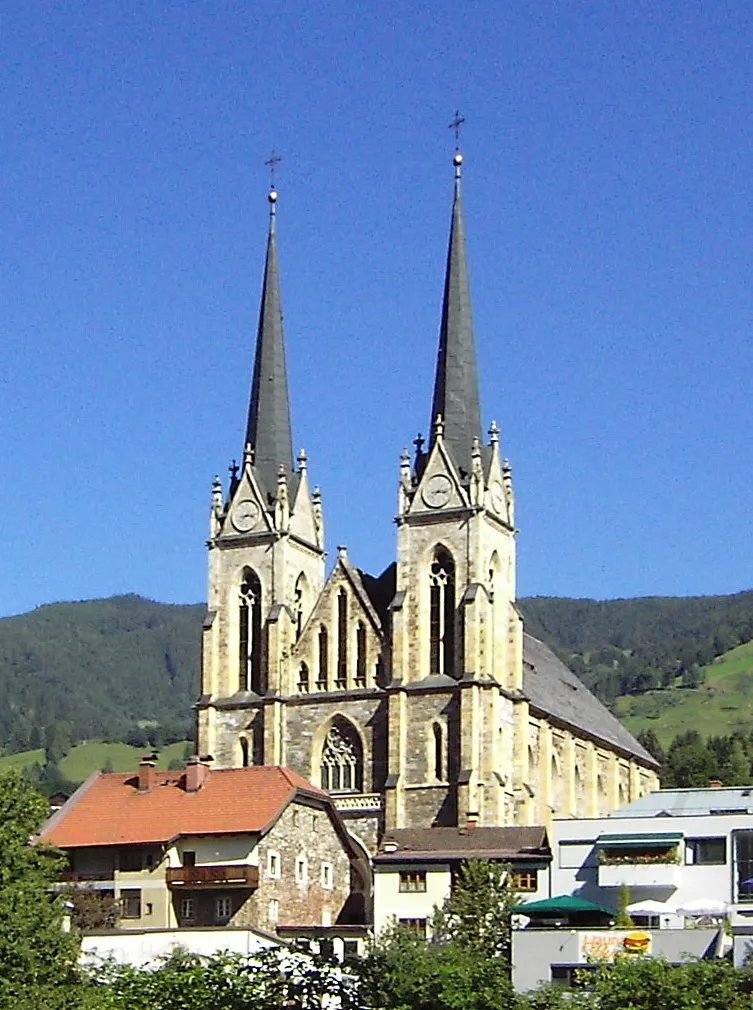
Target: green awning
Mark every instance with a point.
(649, 840)
(563, 904)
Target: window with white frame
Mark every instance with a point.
(327, 876)
(301, 870)
(187, 909)
(222, 909)
(273, 865)
(274, 911)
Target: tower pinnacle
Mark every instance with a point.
(268, 430)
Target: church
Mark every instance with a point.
(415, 697)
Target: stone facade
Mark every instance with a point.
(414, 697)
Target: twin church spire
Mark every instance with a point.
(456, 394)
(268, 430)
(455, 402)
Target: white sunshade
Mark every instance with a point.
(649, 907)
(703, 906)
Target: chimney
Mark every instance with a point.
(471, 820)
(147, 774)
(197, 772)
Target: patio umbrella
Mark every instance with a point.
(561, 905)
(649, 907)
(703, 906)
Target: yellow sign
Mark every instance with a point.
(607, 944)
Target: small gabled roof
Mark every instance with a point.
(109, 809)
(433, 844)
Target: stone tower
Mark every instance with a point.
(266, 560)
(415, 697)
(456, 670)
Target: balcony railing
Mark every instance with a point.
(213, 876)
(654, 875)
(358, 801)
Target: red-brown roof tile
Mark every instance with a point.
(108, 808)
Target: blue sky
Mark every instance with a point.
(608, 213)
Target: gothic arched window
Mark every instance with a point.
(442, 614)
(341, 679)
(361, 655)
(249, 633)
(580, 793)
(322, 673)
(342, 759)
(557, 785)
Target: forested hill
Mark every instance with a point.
(95, 670)
(100, 668)
(632, 646)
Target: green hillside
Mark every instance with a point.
(629, 647)
(125, 669)
(723, 704)
(97, 670)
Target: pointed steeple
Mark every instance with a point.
(456, 396)
(268, 430)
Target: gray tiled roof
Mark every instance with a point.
(452, 842)
(557, 692)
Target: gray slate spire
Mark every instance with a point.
(456, 395)
(268, 429)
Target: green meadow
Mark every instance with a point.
(94, 755)
(723, 704)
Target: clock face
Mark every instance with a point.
(437, 491)
(245, 515)
(497, 493)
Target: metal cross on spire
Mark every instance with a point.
(455, 125)
(272, 162)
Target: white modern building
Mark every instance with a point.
(679, 852)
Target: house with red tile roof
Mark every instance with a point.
(252, 847)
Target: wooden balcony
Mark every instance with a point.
(192, 877)
(78, 877)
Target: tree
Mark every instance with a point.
(405, 971)
(623, 919)
(464, 965)
(477, 912)
(648, 739)
(37, 958)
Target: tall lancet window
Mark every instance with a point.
(300, 601)
(437, 742)
(322, 673)
(442, 614)
(342, 639)
(249, 634)
(342, 759)
(361, 655)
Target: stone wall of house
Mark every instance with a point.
(302, 833)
